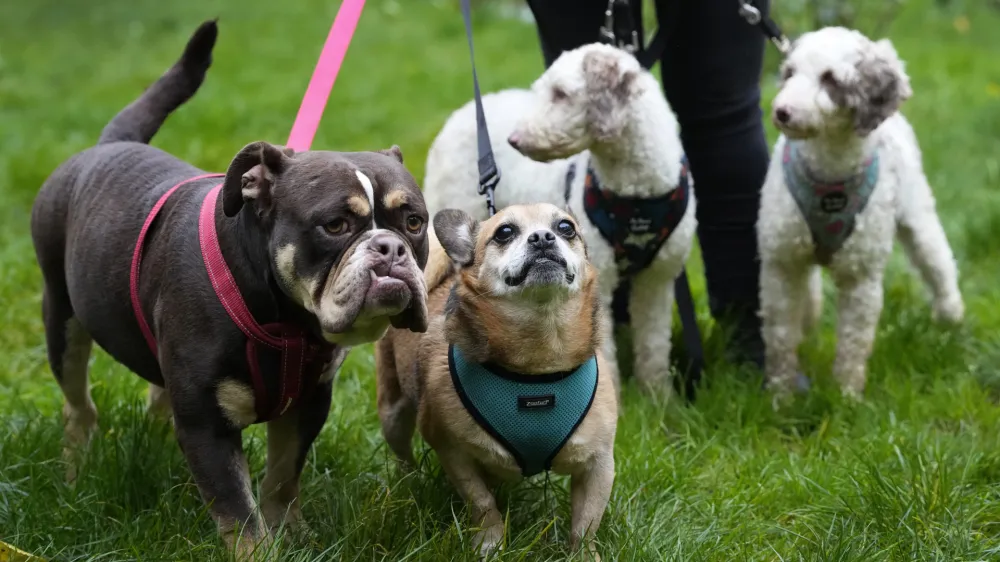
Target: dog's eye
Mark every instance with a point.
(828, 79)
(336, 226)
(566, 229)
(787, 73)
(504, 234)
(414, 223)
(558, 94)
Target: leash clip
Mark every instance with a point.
(609, 32)
(749, 12)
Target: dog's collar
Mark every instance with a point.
(830, 208)
(302, 357)
(636, 227)
(532, 416)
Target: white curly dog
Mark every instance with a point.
(846, 176)
(595, 108)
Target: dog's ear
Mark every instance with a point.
(609, 88)
(393, 151)
(250, 176)
(457, 232)
(881, 88)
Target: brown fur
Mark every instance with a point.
(415, 387)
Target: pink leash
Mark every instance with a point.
(323, 77)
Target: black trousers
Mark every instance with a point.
(711, 70)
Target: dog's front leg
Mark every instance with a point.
(288, 441)
(783, 299)
(652, 308)
(858, 309)
(464, 475)
(590, 491)
(208, 431)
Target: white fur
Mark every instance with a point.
(633, 144)
(369, 191)
(902, 202)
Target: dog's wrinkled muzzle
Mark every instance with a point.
(382, 283)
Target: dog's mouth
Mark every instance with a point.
(546, 269)
(387, 295)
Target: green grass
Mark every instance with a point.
(911, 473)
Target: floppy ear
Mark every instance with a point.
(609, 88)
(250, 176)
(394, 151)
(882, 87)
(457, 232)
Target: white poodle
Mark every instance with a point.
(846, 177)
(594, 109)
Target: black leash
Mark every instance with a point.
(489, 173)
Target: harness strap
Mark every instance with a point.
(299, 358)
(133, 282)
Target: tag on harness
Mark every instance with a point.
(543, 402)
(833, 202)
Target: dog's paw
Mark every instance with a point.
(949, 310)
(489, 541)
(588, 551)
(854, 393)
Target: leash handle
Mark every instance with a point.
(489, 173)
(324, 75)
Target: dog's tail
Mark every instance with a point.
(140, 120)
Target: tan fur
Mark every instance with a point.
(394, 199)
(359, 205)
(280, 489)
(237, 403)
(415, 387)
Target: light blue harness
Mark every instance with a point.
(532, 416)
(829, 208)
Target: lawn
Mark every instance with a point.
(911, 473)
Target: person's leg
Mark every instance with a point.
(711, 74)
(567, 24)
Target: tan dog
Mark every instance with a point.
(511, 352)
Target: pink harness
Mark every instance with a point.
(303, 358)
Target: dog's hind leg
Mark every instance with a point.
(69, 353)
(926, 245)
(396, 412)
(158, 403)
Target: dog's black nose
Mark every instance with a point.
(541, 239)
(781, 115)
(388, 245)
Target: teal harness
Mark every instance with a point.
(829, 208)
(532, 416)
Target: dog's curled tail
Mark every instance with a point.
(140, 120)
